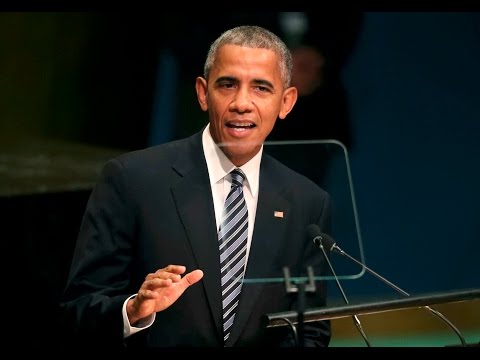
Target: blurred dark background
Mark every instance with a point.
(400, 90)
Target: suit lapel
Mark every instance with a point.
(194, 202)
(269, 228)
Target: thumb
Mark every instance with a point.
(191, 278)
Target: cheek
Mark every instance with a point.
(217, 108)
(215, 114)
(268, 122)
(275, 110)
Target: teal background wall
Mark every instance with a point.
(413, 85)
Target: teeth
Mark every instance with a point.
(240, 125)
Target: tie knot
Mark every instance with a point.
(237, 177)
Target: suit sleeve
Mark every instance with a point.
(98, 283)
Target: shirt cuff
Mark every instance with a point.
(128, 329)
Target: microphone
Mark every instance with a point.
(314, 231)
(324, 241)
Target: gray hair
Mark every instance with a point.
(253, 37)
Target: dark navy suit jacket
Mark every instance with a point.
(154, 207)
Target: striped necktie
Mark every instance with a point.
(232, 237)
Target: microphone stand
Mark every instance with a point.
(355, 318)
(301, 288)
(401, 291)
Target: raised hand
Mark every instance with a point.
(160, 290)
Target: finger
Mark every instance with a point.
(159, 275)
(192, 277)
(164, 276)
(175, 269)
(166, 272)
(189, 279)
(157, 283)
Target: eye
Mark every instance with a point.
(263, 88)
(226, 84)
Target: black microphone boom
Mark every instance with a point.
(323, 240)
(311, 230)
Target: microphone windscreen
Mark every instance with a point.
(315, 233)
(327, 241)
(313, 230)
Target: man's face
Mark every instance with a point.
(244, 96)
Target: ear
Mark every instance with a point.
(289, 99)
(201, 88)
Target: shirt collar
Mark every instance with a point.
(219, 165)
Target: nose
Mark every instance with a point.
(242, 101)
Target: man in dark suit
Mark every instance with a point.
(146, 269)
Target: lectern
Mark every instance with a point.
(337, 312)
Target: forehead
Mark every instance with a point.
(246, 62)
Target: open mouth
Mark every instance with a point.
(242, 126)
